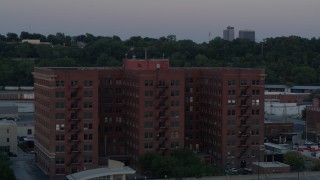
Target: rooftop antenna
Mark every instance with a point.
(145, 53)
(285, 113)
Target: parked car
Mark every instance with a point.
(232, 171)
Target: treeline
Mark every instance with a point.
(287, 60)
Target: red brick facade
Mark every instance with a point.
(146, 106)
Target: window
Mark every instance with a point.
(231, 82)
(175, 103)
(255, 92)
(148, 135)
(8, 140)
(174, 124)
(255, 102)
(255, 112)
(108, 91)
(59, 137)
(148, 145)
(231, 143)
(60, 170)
(29, 131)
(108, 81)
(188, 108)
(243, 82)
(59, 160)
(255, 82)
(8, 131)
(231, 122)
(60, 148)
(162, 83)
(148, 93)
(243, 93)
(231, 133)
(87, 83)
(231, 112)
(87, 136)
(174, 114)
(59, 105)
(74, 137)
(87, 126)
(118, 81)
(231, 92)
(256, 122)
(174, 134)
(59, 94)
(189, 89)
(59, 127)
(60, 83)
(231, 102)
(175, 82)
(174, 145)
(87, 93)
(87, 105)
(243, 102)
(87, 159)
(255, 132)
(148, 114)
(174, 93)
(148, 83)
(74, 83)
(74, 115)
(148, 104)
(189, 80)
(87, 115)
(148, 125)
(87, 147)
(60, 116)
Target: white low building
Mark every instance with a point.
(274, 107)
(8, 136)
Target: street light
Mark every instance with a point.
(298, 167)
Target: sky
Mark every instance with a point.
(187, 19)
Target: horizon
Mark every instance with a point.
(186, 19)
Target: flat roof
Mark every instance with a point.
(290, 87)
(7, 122)
(275, 164)
(278, 146)
(99, 172)
(9, 109)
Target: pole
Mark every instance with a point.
(259, 165)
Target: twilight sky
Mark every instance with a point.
(187, 19)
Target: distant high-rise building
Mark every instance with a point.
(228, 34)
(247, 34)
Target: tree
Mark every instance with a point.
(24, 50)
(12, 37)
(294, 159)
(316, 166)
(5, 171)
(180, 163)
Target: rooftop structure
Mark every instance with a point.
(247, 34)
(228, 34)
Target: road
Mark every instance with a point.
(24, 167)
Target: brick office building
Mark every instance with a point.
(84, 115)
